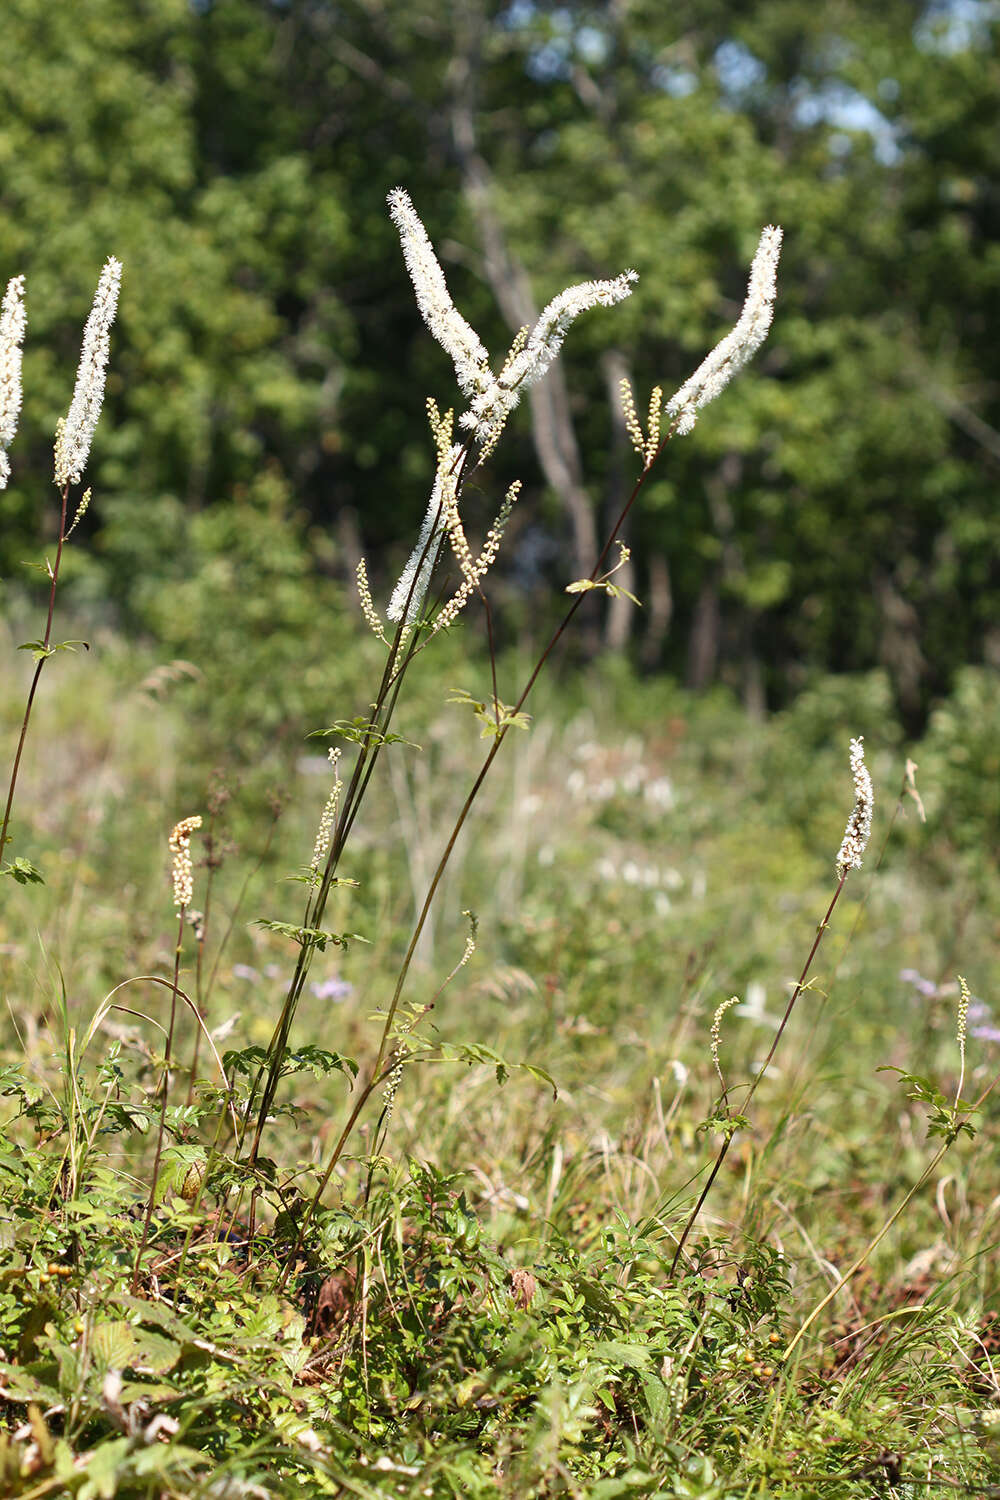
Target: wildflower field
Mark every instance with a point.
(531, 1080)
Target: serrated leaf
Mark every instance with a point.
(154, 1353)
(112, 1344)
(361, 731)
(39, 650)
(22, 1385)
(158, 1313)
(306, 937)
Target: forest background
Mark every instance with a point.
(265, 419)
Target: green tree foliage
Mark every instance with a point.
(837, 512)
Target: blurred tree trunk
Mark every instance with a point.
(660, 606)
(552, 427)
(703, 642)
(899, 645)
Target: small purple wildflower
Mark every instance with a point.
(245, 971)
(986, 1033)
(331, 989)
(925, 987)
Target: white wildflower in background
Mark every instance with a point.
(740, 345)
(367, 604)
(12, 327)
(492, 398)
(717, 1033)
(182, 869)
(859, 824)
(76, 433)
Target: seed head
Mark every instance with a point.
(183, 869)
(324, 833)
(717, 1032)
(367, 603)
(963, 1013)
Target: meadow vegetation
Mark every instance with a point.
(625, 883)
(339, 1167)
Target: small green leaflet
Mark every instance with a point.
(40, 651)
(23, 871)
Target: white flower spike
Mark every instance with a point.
(740, 344)
(859, 824)
(491, 409)
(12, 327)
(453, 333)
(76, 434)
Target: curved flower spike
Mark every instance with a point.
(740, 344)
(492, 397)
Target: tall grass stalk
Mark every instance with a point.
(758, 1077)
(961, 1115)
(180, 844)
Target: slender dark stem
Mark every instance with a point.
(37, 674)
(384, 705)
(199, 984)
(165, 1090)
(862, 907)
(399, 659)
(724, 1148)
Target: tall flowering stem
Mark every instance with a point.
(182, 876)
(454, 334)
(73, 439)
(859, 824)
(492, 398)
(856, 839)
